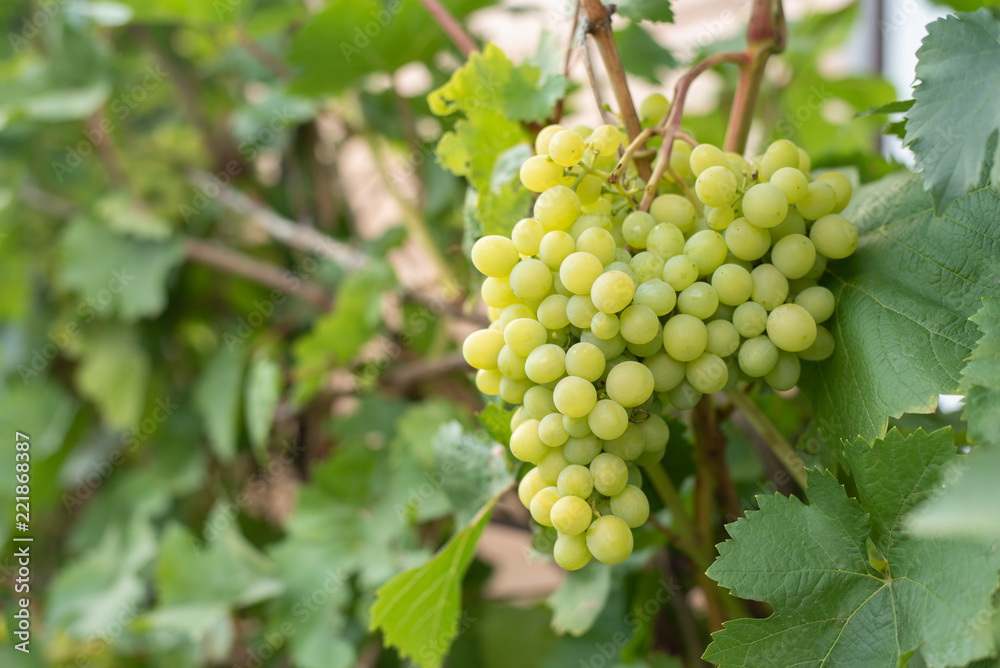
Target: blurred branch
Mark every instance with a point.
(711, 444)
(264, 273)
(262, 55)
(762, 425)
(599, 27)
(557, 114)
(408, 374)
(451, 26)
(588, 65)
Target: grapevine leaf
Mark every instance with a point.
(217, 399)
(903, 301)
(897, 107)
(831, 606)
(418, 610)
(954, 113)
(261, 395)
(113, 373)
(470, 468)
(579, 599)
(497, 423)
(649, 10)
(981, 377)
(641, 54)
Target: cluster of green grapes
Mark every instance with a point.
(603, 314)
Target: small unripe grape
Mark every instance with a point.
(842, 188)
(571, 552)
(834, 236)
(673, 209)
(575, 480)
(530, 485)
(482, 348)
(494, 255)
(527, 235)
(629, 384)
(716, 186)
(557, 208)
(608, 419)
(609, 473)
(757, 356)
(653, 109)
(770, 287)
(685, 337)
(819, 201)
(636, 227)
(791, 328)
(566, 148)
(612, 291)
(538, 173)
(764, 205)
(794, 255)
(531, 280)
(541, 505)
(631, 506)
(707, 373)
(818, 301)
(544, 136)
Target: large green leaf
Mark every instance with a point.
(641, 54)
(418, 611)
(580, 598)
(981, 377)
(903, 301)
(352, 38)
(849, 585)
(471, 468)
(954, 113)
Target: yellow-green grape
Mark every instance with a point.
(545, 364)
(680, 271)
(583, 130)
(580, 310)
(764, 205)
(791, 182)
(611, 348)
(732, 284)
(794, 255)
(494, 255)
(821, 348)
(646, 265)
(708, 250)
(665, 240)
(576, 428)
(757, 356)
(482, 348)
(598, 242)
(842, 188)
(631, 506)
(656, 433)
(605, 325)
(552, 312)
(589, 189)
(605, 139)
(575, 480)
(551, 464)
(750, 319)
(587, 221)
(818, 267)
(571, 552)
(716, 186)
(612, 291)
(785, 373)
(834, 236)
(698, 299)
(739, 166)
(684, 396)
(570, 515)
(781, 153)
(538, 402)
(607, 420)
(747, 241)
(582, 449)
(610, 474)
(524, 335)
(791, 328)
(544, 136)
(793, 223)
(629, 445)
(488, 381)
(555, 247)
(680, 159)
(538, 174)
(685, 337)
(512, 390)
(512, 313)
(531, 280)
(623, 266)
(527, 235)
(770, 287)
(530, 485)
(653, 109)
(629, 384)
(557, 208)
(667, 372)
(704, 156)
(723, 339)
(818, 301)
(585, 360)
(636, 227)
(574, 396)
(707, 373)
(610, 540)
(600, 206)
(719, 217)
(518, 417)
(819, 201)
(653, 346)
(566, 148)
(511, 364)
(805, 164)
(657, 295)
(673, 209)
(525, 444)
(541, 505)
(551, 430)
(639, 324)
(579, 271)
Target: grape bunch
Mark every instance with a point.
(603, 315)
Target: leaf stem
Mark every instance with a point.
(779, 446)
(451, 26)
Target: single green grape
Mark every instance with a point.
(570, 515)
(608, 419)
(552, 312)
(657, 295)
(757, 356)
(571, 552)
(639, 324)
(685, 337)
(575, 396)
(636, 227)
(698, 299)
(818, 301)
(525, 444)
(496, 293)
(770, 287)
(605, 325)
(821, 348)
(524, 335)
(834, 236)
(557, 208)
(538, 173)
(545, 136)
(586, 361)
(667, 372)
(512, 391)
(656, 433)
(673, 209)
(791, 328)
(646, 265)
(793, 223)
(680, 159)
(708, 250)
(576, 427)
(488, 381)
(750, 319)
(512, 313)
(551, 430)
(842, 189)
(551, 464)
(545, 364)
(704, 156)
(723, 338)
(781, 153)
(684, 396)
(680, 271)
(665, 240)
(541, 505)
(707, 373)
(555, 247)
(598, 242)
(732, 284)
(538, 402)
(580, 310)
(511, 364)
(611, 348)
(566, 148)
(610, 540)
(610, 474)
(482, 348)
(531, 280)
(582, 449)
(719, 217)
(530, 485)
(785, 373)
(631, 506)
(747, 241)
(527, 235)
(794, 255)
(629, 384)
(605, 139)
(819, 201)
(579, 271)
(791, 182)
(494, 255)
(612, 291)
(764, 205)
(629, 445)
(653, 109)
(575, 480)
(716, 186)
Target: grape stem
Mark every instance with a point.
(763, 426)
(451, 26)
(599, 27)
(557, 113)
